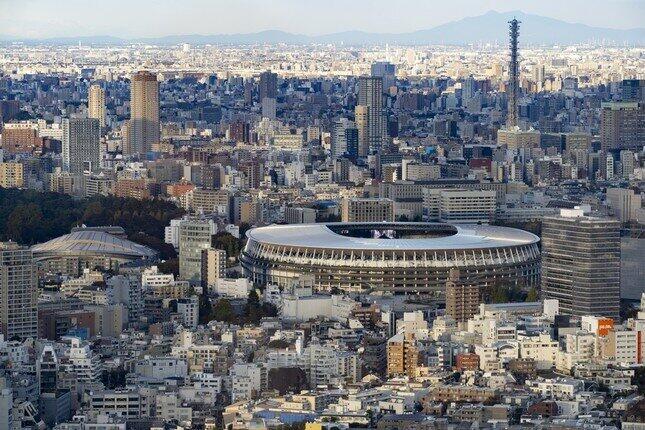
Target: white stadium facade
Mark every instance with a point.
(396, 257)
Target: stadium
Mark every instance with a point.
(396, 257)
(88, 248)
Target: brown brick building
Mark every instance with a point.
(462, 297)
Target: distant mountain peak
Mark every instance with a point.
(489, 27)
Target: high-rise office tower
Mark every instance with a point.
(269, 108)
(538, 76)
(268, 85)
(144, 112)
(341, 169)
(468, 88)
(195, 235)
(344, 138)
(9, 109)
(622, 126)
(370, 95)
(18, 292)
(633, 90)
(96, 104)
(513, 75)
(386, 71)
(81, 145)
(248, 91)
(626, 163)
(361, 117)
(351, 140)
(581, 263)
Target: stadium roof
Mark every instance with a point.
(462, 237)
(92, 242)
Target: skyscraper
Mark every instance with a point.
(351, 141)
(538, 76)
(468, 88)
(81, 145)
(248, 91)
(268, 85)
(622, 126)
(144, 113)
(370, 95)
(269, 108)
(344, 138)
(385, 71)
(633, 90)
(9, 109)
(581, 263)
(96, 104)
(18, 292)
(361, 117)
(626, 163)
(513, 75)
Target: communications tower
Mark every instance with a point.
(514, 75)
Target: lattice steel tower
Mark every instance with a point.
(514, 74)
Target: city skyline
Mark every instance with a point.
(401, 228)
(35, 19)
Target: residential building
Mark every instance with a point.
(18, 292)
(370, 95)
(96, 104)
(622, 125)
(11, 175)
(402, 355)
(213, 266)
(144, 113)
(81, 145)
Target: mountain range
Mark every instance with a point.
(490, 27)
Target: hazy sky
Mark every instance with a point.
(140, 18)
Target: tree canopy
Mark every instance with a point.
(29, 217)
(223, 310)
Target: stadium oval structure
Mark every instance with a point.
(398, 257)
